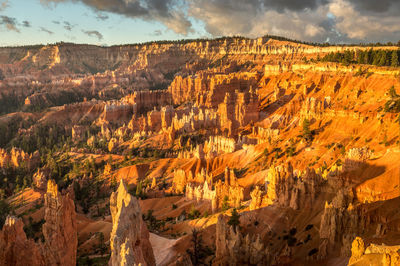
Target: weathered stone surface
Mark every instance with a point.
(17, 158)
(180, 180)
(59, 232)
(60, 228)
(40, 178)
(381, 255)
(234, 249)
(15, 248)
(256, 198)
(129, 238)
(292, 189)
(228, 192)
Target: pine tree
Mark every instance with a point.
(307, 135)
(234, 220)
(139, 190)
(361, 57)
(225, 203)
(199, 251)
(395, 59)
(381, 58)
(392, 93)
(368, 57)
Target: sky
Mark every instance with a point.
(110, 22)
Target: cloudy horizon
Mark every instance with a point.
(110, 22)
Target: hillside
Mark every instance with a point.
(226, 152)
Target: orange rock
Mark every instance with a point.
(59, 231)
(129, 238)
(15, 248)
(60, 228)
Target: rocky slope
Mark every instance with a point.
(59, 234)
(305, 151)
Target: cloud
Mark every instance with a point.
(366, 26)
(3, 5)
(225, 17)
(374, 6)
(292, 5)
(157, 33)
(9, 22)
(101, 16)
(94, 33)
(309, 20)
(68, 26)
(46, 30)
(26, 24)
(56, 22)
(168, 12)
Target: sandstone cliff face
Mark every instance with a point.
(232, 96)
(59, 231)
(292, 189)
(228, 192)
(256, 198)
(17, 158)
(234, 249)
(15, 248)
(146, 100)
(129, 238)
(380, 255)
(40, 178)
(340, 221)
(180, 180)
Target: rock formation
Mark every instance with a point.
(227, 192)
(40, 178)
(16, 249)
(60, 229)
(59, 232)
(234, 249)
(129, 238)
(256, 198)
(180, 180)
(18, 158)
(292, 189)
(381, 255)
(340, 221)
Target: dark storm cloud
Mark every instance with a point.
(294, 5)
(94, 33)
(9, 23)
(310, 20)
(46, 30)
(164, 11)
(377, 6)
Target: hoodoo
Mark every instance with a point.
(228, 151)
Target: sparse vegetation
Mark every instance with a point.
(234, 219)
(307, 134)
(198, 252)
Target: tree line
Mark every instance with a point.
(378, 57)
